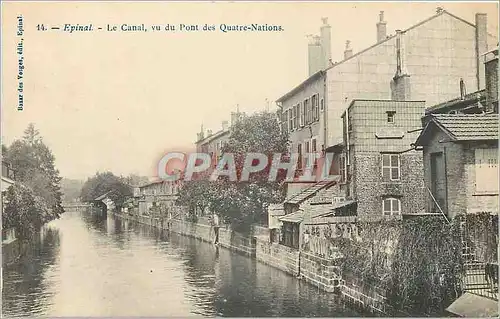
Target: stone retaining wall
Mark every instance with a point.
(364, 295)
(321, 272)
(278, 256)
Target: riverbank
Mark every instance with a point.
(319, 272)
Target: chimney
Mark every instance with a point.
(348, 50)
(225, 125)
(462, 89)
(400, 84)
(209, 133)
(491, 77)
(481, 47)
(326, 43)
(381, 28)
(314, 54)
(235, 117)
(201, 133)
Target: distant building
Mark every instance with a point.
(212, 143)
(437, 53)
(106, 200)
(158, 193)
(7, 175)
(8, 235)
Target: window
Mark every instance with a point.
(295, 114)
(390, 167)
(290, 119)
(390, 116)
(303, 111)
(391, 206)
(299, 151)
(322, 105)
(307, 112)
(315, 113)
(486, 169)
(284, 122)
(314, 150)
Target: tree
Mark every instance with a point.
(34, 165)
(116, 187)
(243, 203)
(24, 211)
(71, 189)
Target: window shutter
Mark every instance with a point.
(486, 170)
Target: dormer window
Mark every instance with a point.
(390, 116)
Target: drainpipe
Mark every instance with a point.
(300, 250)
(325, 113)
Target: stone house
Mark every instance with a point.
(461, 163)
(381, 172)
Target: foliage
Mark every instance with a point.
(116, 187)
(242, 203)
(482, 233)
(34, 167)
(368, 258)
(428, 265)
(24, 211)
(71, 189)
(421, 269)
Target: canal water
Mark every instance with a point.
(84, 265)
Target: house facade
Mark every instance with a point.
(212, 143)
(461, 163)
(382, 173)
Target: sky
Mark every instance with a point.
(118, 101)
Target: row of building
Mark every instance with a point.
(406, 136)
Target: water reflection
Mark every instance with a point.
(27, 284)
(86, 265)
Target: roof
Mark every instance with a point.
(474, 306)
(326, 195)
(325, 210)
(296, 217)
(103, 196)
(463, 127)
(151, 183)
(215, 135)
(299, 87)
(470, 99)
(314, 76)
(310, 191)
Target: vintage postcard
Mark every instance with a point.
(249, 159)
